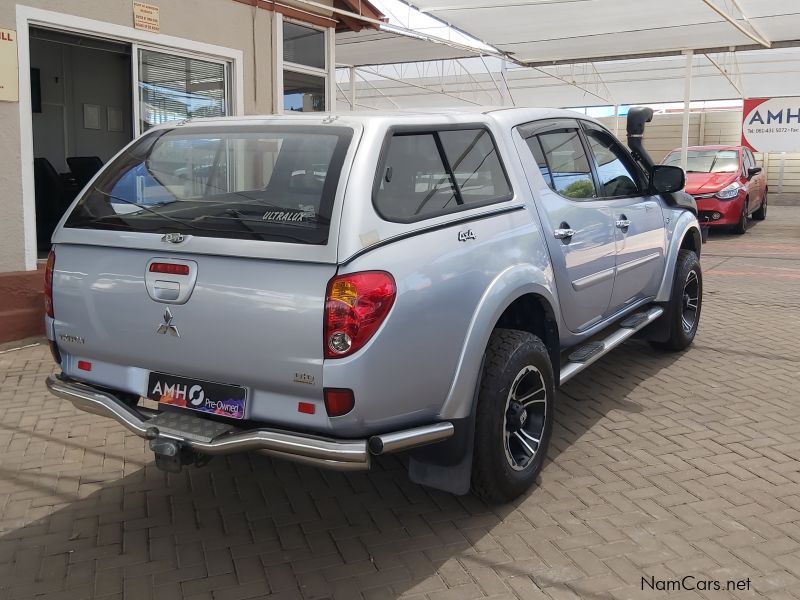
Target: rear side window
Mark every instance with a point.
(266, 183)
(433, 173)
(569, 165)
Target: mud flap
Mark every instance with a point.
(447, 466)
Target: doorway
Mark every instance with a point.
(82, 115)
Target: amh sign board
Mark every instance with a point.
(771, 124)
(9, 74)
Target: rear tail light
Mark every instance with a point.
(355, 306)
(338, 401)
(48, 284)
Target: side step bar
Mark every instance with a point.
(585, 355)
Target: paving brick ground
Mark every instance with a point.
(661, 466)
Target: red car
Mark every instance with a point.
(726, 183)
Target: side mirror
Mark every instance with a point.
(753, 171)
(665, 179)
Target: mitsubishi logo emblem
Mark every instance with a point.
(167, 327)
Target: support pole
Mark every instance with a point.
(352, 88)
(687, 100)
(616, 120)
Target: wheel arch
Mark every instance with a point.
(533, 313)
(692, 240)
(516, 294)
(683, 232)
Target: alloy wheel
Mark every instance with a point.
(524, 418)
(691, 300)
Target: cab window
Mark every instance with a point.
(570, 173)
(615, 171)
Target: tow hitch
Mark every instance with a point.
(171, 455)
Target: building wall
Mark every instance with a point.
(715, 127)
(220, 22)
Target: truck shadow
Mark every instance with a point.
(252, 526)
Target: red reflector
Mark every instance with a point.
(84, 365)
(169, 268)
(338, 402)
(48, 284)
(306, 407)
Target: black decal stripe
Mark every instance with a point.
(430, 228)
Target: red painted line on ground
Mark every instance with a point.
(753, 273)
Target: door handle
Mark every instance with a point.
(563, 233)
(623, 223)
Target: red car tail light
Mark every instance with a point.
(355, 306)
(338, 401)
(48, 284)
(169, 268)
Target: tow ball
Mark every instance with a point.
(171, 454)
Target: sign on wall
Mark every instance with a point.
(9, 74)
(771, 124)
(146, 17)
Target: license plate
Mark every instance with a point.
(203, 396)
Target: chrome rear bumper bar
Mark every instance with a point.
(342, 455)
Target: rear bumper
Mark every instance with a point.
(337, 454)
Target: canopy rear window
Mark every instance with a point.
(264, 183)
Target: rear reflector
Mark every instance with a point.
(84, 365)
(306, 408)
(338, 401)
(169, 268)
(48, 284)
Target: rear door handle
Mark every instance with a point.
(563, 234)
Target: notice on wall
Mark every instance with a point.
(771, 124)
(9, 70)
(146, 17)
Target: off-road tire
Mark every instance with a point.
(761, 213)
(674, 312)
(510, 352)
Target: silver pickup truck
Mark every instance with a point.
(325, 289)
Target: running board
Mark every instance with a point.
(585, 355)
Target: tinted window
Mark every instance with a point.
(473, 159)
(617, 176)
(418, 180)
(749, 159)
(569, 166)
(265, 183)
(538, 155)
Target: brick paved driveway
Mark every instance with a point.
(661, 466)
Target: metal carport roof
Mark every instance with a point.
(540, 32)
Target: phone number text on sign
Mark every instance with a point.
(771, 124)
